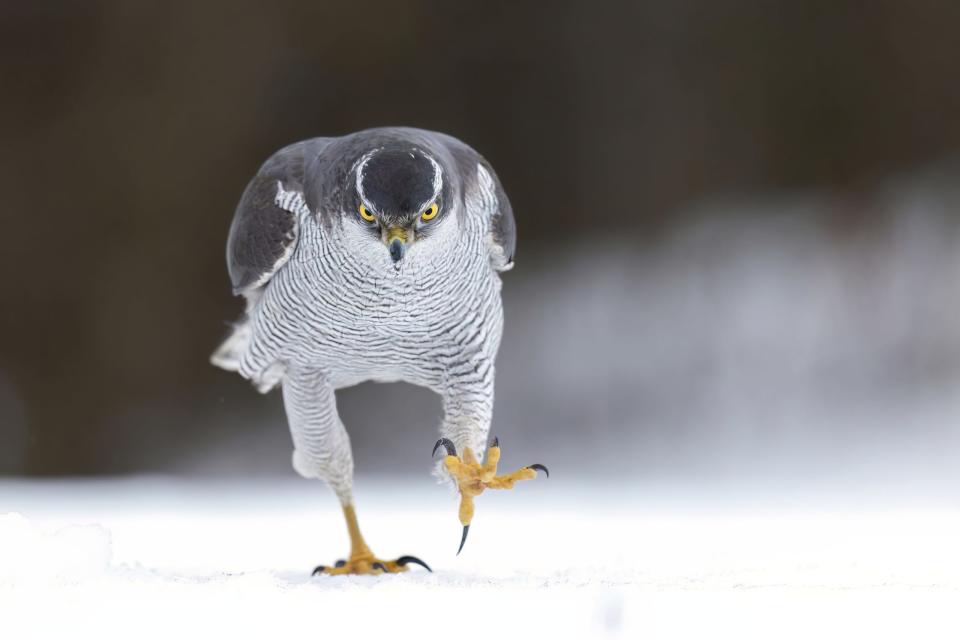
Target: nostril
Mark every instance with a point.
(396, 250)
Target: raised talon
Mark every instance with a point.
(540, 467)
(340, 563)
(473, 477)
(447, 444)
(463, 540)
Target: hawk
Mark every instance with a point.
(374, 256)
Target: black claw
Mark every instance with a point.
(340, 563)
(540, 467)
(496, 442)
(379, 565)
(466, 529)
(404, 560)
(451, 450)
(318, 570)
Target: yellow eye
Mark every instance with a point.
(366, 215)
(430, 213)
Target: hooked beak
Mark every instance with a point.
(397, 239)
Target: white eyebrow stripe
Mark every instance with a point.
(437, 179)
(359, 167)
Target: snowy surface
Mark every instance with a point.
(159, 558)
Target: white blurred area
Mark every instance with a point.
(763, 342)
(160, 558)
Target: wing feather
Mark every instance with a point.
(481, 182)
(263, 233)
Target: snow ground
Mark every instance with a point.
(159, 558)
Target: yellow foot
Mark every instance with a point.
(473, 477)
(362, 560)
(369, 564)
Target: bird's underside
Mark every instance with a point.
(374, 256)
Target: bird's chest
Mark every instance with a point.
(390, 335)
(389, 325)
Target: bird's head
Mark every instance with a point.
(398, 196)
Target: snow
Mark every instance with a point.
(164, 557)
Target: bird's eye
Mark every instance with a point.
(430, 213)
(366, 215)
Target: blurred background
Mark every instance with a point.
(739, 240)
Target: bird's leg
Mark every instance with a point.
(322, 451)
(361, 558)
(473, 478)
(359, 551)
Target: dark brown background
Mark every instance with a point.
(130, 129)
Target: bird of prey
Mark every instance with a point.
(374, 256)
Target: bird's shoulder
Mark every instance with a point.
(263, 233)
(484, 192)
